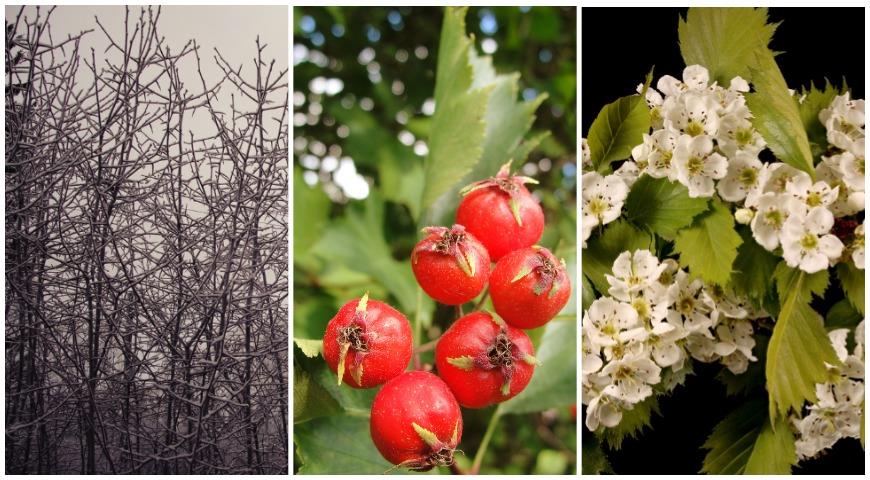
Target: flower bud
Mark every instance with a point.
(744, 215)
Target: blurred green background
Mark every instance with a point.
(364, 81)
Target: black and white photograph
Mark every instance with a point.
(146, 234)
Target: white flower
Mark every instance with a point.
(695, 77)
(628, 173)
(603, 198)
(736, 134)
(806, 243)
(735, 344)
(654, 101)
(603, 410)
(606, 319)
(773, 211)
(744, 175)
(723, 302)
(662, 341)
(591, 356)
(702, 347)
(586, 153)
(844, 120)
(632, 273)
(857, 247)
(698, 165)
(852, 166)
(660, 150)
(777, 177)
(689, 309)
(849, 201)
(808, 194)
(695, 114)
(632, 376)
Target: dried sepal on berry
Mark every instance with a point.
(548, 270)
(449, 241)
(354, 336)
(505, 182)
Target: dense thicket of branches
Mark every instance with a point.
(146, 263)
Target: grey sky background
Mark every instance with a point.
(231, 29)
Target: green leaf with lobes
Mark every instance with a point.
(745, 442)
(709, 246)
(617, 129)
(852, 281)
(776, 116)
(798, 348)
(338, 445)
(504, 122)
(662, 206)
(554, 383)
(724, 40)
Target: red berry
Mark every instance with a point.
(501, 213)
(416, 422)
(367, 343)
(529, 287)
(484, 360)
(450, 265)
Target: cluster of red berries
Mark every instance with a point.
(482, 359)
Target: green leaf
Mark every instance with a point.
(801, 284)
(593, 458)
(338, 445)
(632, 424)
(588, 295)
(817, 100)
(355, 402)
(357, 241)
(776, 115)
(842, 315)
(308, 222)
(458, 126)
(709, 247)
(725, 40)
(311, 348)
(774, 452)
(550, 462)
(617, 129)
(753, 268)
(744, 442)
(602, 250)
(375, 145)
(554, 383)
(507, 121)
(310, 399)
(662, 206)
(852, 281)
(798, 349)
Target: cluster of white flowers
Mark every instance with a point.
(703, 138)
(785, 208)
(654, 318)
(838, 413)
(701, 133)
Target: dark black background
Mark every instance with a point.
(620, 45)
(818, 43)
